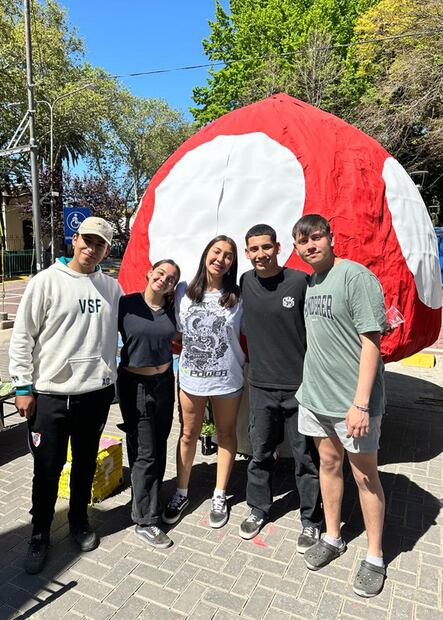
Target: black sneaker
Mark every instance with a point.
(153, 535)
(310, 536)
(219, 512)
(251, 526)
(37, 553)
(174, 509)
(85, 537)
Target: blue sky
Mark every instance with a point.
(143, 35)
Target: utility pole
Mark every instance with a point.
(32, 143)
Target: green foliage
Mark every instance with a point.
(273, 45)
(124, 138)
(391, 86)
(208, 428)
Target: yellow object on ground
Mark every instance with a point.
(423, 360)
(108, 474)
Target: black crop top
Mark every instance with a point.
(147, 334)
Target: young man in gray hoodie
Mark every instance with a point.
(63, 364)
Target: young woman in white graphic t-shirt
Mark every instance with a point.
(208, 313)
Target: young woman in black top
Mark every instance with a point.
(146, 392)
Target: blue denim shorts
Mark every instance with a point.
(229, 395)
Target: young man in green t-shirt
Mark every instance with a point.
(342, 396)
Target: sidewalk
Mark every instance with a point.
(215, 574)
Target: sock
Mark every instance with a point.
(337, 542)
(182, 492)
(373, 559)
(219, 493)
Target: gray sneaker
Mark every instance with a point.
(310, 536)
(153, 535)
(175, 508)
(251, 526)
(219, 512)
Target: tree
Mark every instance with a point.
(298, 47)
(403, 103)
(138, 136)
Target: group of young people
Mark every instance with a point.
(315, 376)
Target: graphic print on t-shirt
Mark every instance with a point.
(319, 305)
(205, 341)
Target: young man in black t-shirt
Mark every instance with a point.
(273, 323)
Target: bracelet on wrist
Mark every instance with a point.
(361, 408)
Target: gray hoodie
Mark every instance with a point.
(65, 335)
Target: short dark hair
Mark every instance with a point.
(231, 291)
(308, 223)
(261, 229)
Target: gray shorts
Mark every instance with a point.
(317, 425)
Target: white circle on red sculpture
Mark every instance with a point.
(225, 186)
(414, 232)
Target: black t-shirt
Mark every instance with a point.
(273, 323)
(147, 334)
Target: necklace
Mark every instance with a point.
(152, 305)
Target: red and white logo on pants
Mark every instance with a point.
(36, 439)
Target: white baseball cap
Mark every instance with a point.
(96, 226)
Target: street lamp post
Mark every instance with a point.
(51, 155)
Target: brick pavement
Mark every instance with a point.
(213, 573)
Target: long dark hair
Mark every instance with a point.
(198, 285)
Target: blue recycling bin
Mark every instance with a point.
(439, 233)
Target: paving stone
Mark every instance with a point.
(156, 612)
(222, 614)
(94, 612)
(118, 572)
(126, 588)
(94, 589)
(91, 569)
(215, 580)
(312, 588)
(258, 603)
(280, 585)
(205, 561)
(401, 576)
(276, 614)
(416, 595)
(190, 598)
(246, 582)
(329, 607)
(402, 609)
(130, 609)
(152, 592)
(226, 600)
(429, 578)
(428, 613)
(203, 611)
(236, 563)
(182, 578)
(148, 573)
(293, 606)
(267, 566)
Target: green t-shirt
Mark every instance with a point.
(340, 304)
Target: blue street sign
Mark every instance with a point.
(72, 218)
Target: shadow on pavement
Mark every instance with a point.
(13, 442)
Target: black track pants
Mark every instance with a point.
(273, 414)
(55, 420)
(147, 405)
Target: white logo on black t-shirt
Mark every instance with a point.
(288, 302)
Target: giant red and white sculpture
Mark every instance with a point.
(272, 162)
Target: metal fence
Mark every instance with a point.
(20, 262)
